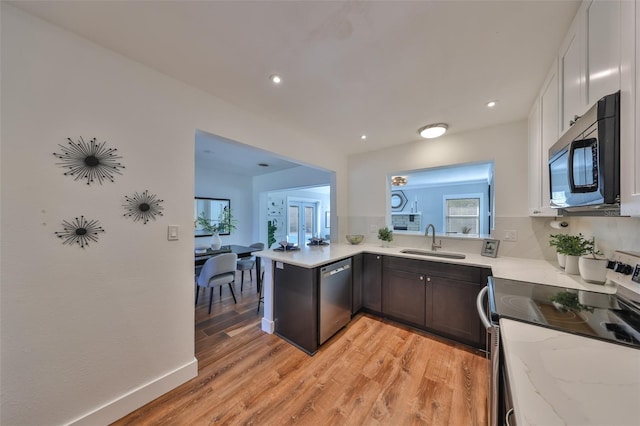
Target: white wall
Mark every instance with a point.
(505, 145)
(92, 334)
(238, 189)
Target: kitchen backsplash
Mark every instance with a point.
(532, 234)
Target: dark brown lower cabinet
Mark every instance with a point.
(451, 310)
(403, 295)
(372, 282)
(439, 297)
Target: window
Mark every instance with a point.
(462, 215)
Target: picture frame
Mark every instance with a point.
(327, 219)
(490, 248)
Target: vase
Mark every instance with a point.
(216, 242)
(562, 258)
(571, 265)
(593, 270)
(385, 243)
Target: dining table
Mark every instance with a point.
(201, 256)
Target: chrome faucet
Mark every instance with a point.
(434, 246)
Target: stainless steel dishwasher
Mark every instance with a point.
(335, 298)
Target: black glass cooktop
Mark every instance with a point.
(601, 316)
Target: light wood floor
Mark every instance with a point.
(373, 372)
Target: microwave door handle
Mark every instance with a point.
(480, 308)
(572, 184)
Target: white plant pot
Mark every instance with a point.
(593, 270)
(216, 242)
(571, 265)
(562, 258)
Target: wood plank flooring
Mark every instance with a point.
(373, 372)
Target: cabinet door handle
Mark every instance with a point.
(536, 211)
(575, 118)
(421, 278)
(429, 279)
(377, 257)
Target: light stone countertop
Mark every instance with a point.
(558, 378)
(535, 270)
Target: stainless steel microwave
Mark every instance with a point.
(584, 165)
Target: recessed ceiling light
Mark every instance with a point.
(491, 104)
(275, 79)
(363, 137)
(431, 131)
(263, 165)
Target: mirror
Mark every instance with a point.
(211, 208)
(456, 199)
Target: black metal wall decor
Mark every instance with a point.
(79, 231)
(143, 207)
(89, 160)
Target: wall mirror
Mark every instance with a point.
(458, 200)
(211, 208)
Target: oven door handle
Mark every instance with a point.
(480, 308)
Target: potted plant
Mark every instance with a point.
(574, 247)
(225, 224)
(559, 241)
(593, 265)
(385, 235)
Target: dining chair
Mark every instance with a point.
(216, 272)
(248, 263)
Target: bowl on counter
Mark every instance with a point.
(355, 238)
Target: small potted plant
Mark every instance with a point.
(593, 265)
(225, 223)
(559, 241)
(574, 247)
(385, 235)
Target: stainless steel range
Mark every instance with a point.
(614, 317)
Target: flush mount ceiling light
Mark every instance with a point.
(431, 131)
(399, 180)
(275, 79)
(363, 137)
(491, 104)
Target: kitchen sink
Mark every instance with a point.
(446, 254)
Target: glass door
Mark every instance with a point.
(302, 220)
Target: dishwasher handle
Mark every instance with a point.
(480, 308)
(336, 271)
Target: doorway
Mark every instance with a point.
(302, 219)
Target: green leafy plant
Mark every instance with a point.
(571, 245)
(577, 245)
(225, 223)
(271, 233)
(385, 234)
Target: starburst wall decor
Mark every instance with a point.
(143, 207)
(89, 160)
(79, 231)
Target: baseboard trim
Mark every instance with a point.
(138, 397)
(268, 326)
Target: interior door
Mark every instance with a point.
(302, 220)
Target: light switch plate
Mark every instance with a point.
(511, 235)
(172, 233)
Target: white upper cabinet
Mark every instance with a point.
(543, 133)
(589, 58)
(603, 49)
(571, 64)
(630, 109)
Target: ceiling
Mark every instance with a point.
(380, 68)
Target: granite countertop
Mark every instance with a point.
(558, 378)
(536, 270)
